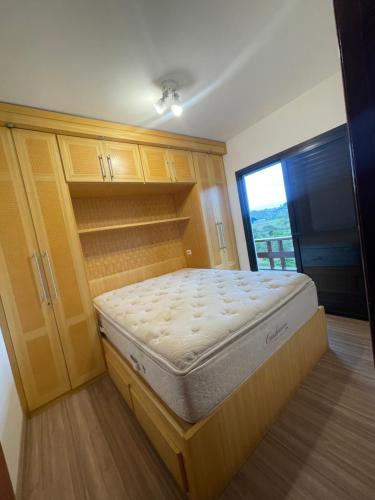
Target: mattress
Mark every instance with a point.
(196, 334)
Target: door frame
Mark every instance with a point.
(6, 487)
(356, 38)
(317, 141)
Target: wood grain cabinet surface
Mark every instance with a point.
(51, 321)
(23, 288)
(182, 165)
(83, 159)
(167, 165)
(216, 209)
(155, 163)
(91, 160)
(123, 162)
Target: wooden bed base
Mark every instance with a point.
(204, 456)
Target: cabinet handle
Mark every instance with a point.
(224, 243)
(45, 297)
(52, 275)
(220, 235)
(104, 175)
(110, 167)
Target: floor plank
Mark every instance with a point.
(322, 446)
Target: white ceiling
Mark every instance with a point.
(236, 60)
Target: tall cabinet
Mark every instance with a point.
(216, 211)
(43, 286)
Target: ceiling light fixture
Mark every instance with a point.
(170, 99)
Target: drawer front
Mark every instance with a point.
(168, 451)
(122, 385)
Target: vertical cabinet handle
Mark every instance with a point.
(45, 296)
(51, 273)
(104, 175)
(223, 242)
(110, 166)
(220, 235)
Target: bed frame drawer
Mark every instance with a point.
(121, 385)
(119, 373)
(168, 451)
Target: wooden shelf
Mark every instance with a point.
(132, 225)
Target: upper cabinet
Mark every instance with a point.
(182, 165)
(123, 162)
(155, 164)
(167, 165)
(90, 160)
(83, 159)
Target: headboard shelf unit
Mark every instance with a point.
(131, 234)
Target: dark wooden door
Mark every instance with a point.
(355, 21)
(324, 225)
(6, 489)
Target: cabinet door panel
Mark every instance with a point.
(83, 159)
(203, 169)
(216, 209)
(124, 162)
(155, 164)
(222, 211)
(62, 259)
(30, 319)
(182, 165)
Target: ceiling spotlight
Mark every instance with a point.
(176, 106)
(160, 106)
(170, 99)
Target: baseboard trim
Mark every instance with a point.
(21, 459)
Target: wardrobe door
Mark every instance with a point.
(155, 163)
(62, 259)
(83, 159)
(221, 208)
(182, 165)
(24, 290)
(218, 220)
(204, 182)
(123, 162)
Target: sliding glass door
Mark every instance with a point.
(268, 211)
(322, 217)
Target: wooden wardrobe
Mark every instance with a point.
(85, 207)
(43, 285)
(216, 210)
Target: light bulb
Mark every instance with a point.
(177, 109)
(160, 106)
(176, 104)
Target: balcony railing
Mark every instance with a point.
(272, 250)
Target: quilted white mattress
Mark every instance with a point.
(196, 334)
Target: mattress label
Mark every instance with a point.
(275, 335)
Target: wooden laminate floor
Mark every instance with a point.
(322, 446)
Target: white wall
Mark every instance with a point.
(312, 113)
(11, 416)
